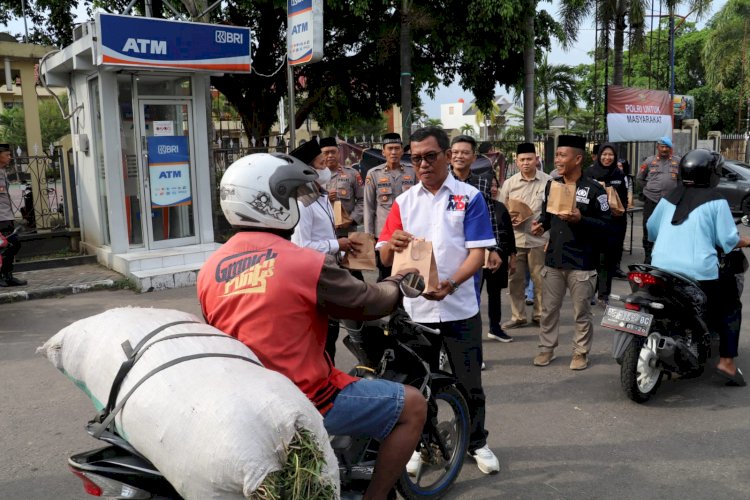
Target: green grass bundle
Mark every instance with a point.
(301, 478)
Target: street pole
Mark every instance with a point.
(405, 46)
(25, 26)
(292, 112)
(671, 52)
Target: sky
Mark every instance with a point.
(577, 54)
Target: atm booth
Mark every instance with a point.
(140, 119)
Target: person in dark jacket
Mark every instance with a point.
(606, 171)
(498, 279)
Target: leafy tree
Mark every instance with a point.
(13, 131)
(555, 84)
(433, 122)
(50, 22)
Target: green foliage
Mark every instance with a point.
(13, 130)
(50, 22)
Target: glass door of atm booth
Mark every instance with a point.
(168, 180)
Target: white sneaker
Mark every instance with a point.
(412, 466)
(486, 460)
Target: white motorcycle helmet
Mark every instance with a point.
(260, 190)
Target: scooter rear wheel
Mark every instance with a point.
(640, 377)
(437, 474)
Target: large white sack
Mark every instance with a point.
(215, 427)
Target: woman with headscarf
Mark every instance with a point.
(688, 226)
(605, 171)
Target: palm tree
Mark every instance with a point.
(553, 83)
(468, 129)
(615, 16)
(433, 122)
(726, 49)
(493, 119)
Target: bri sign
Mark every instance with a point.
(158, 43)
(169, 171)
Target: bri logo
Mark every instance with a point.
(228, 37)
(458, 202)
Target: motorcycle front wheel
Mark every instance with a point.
(639, 374)
(436, 473)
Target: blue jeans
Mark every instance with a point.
(366, 408)
(463, 344)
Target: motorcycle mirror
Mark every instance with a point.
(412, 285)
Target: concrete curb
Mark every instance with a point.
(42, 293)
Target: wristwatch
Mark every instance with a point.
(454, 286)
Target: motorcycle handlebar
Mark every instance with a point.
(422, 328)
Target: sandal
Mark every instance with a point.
(736, 380)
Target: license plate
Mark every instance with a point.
(624, 320)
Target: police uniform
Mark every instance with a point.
(350, 192)
(657, 176)
(570, 263)
(7, 225)
(382, 186)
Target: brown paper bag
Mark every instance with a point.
(615, 205)
(340, 215)
(562, 198)
(418, 254)
(613, 200)
(365, 258)
(519, 211)
(486, 258)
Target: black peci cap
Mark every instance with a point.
(525, 147)
(307, 152)
(571, 141)
(328, 142)
(392, 138)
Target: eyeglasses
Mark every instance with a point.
(430, 158)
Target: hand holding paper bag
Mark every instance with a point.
(519, 211)
(561, 199)
(418, 254)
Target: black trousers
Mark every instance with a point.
(609, 259)
(383, 270)
(648, 209)
(463, 345)
(9, 253)
(334, 326)
(494, 288)
(724, 310)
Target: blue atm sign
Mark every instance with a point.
(158, 43)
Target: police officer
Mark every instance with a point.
(382, 185)
(7, 224)
(657, 176)
(572, 253)
(345, 186)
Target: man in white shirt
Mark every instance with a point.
(316, 228)
(453, 216)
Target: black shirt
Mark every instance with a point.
(577, 245)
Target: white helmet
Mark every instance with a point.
(260, 190)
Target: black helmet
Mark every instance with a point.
(701, 168)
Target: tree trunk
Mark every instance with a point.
(405, 42)
(618, 47)
(528, 79)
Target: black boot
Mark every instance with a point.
(11, 281)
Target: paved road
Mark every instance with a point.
(559, 434)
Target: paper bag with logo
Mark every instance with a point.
(365, 258)
(340, 215)
(418, 254)
(562, 198)
(613, 200)
(519, 211)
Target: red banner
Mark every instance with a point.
(638, 114)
